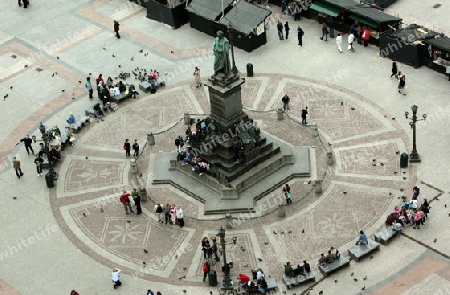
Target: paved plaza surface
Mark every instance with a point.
(71, 236)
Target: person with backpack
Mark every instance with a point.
(88, 86)
(335, 252)
(136, 149)
(159, 211)
(205, 270)
(127, 148)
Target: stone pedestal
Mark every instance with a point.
(133, 166)
(280, 114)
(281, 211)
(231, 124)
(329, 158)
(225, 100)
(228, 219)
(318, 186)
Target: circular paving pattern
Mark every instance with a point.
(362, 183)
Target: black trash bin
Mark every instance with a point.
(404, 160)
(212, 278)
(49, 180)
(249, 70)
(143, 194)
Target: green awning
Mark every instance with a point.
(325, 8)
(364, 21)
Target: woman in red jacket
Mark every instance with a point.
(366, 37)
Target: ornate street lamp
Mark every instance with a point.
(414, 157)
(226, 284)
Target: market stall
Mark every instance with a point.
(438, 55)
(205, 14)
(243, 24)
(246, 25)
(406, 45)
(172, 12)
(347, 12)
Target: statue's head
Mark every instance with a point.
(220, 34)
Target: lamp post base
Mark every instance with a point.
(414, 158)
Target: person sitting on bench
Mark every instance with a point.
(306, 267)
(122, 87)
(98, 110)
(71, 119)
(330, 258)
(322, 260)
(362, 239)
(289, 271)
(243, 279)
(262, 285)
(335, 252)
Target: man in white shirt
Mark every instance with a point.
(116, 277)
(259, 275)
(180, 216)
(351, 39)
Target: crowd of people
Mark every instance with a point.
(53, 154)
(410, 213)
(170, 214)
(185, 151)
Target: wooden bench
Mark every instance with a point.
(385, 235)
(297, 280)
(360, 251)
(332, 267)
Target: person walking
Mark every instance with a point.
(136, 149)
(285, 99)
(401, 83)
(205, 269)
(286, 29)
(351, 39)
(330, 24)
(197, 77)
(16, 166)
(38, 161)
(127, 148)
(115, 277)
(324, 32)
(280, 30)
(300, 34)
(27, 142)
(88, 86)
(125, 200)
(116, 29)
(304, 113)
(137, 201)
(180, 216)
(287, 194)
(394, 69)
(339, 42)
